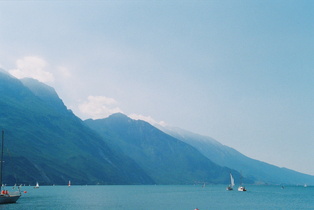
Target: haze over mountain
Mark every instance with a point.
(49, 144)
(261, 172)
(164, 158)
(239, 71)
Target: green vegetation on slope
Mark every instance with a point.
(164, 158)
(49, 144)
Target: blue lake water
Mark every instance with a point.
(166, 197)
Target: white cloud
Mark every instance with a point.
(148, 119)
(34, 67)
(64, 72)
(97, 107)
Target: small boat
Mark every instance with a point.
(5, 195)
(37, 185)
(241, 189)
(69, 184)
(230, 187)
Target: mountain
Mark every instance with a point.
(164, 158)
(45, 93)
(49, 144)
(46, 142)
(261, 172)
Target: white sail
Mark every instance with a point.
(37, 185)
(230, 187)
(231, 180)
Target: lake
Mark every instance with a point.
(164, 197)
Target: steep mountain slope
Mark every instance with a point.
(49, 144)
(46, 93)
(164, 158)
(223, 155)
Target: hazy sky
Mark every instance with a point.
(241, 72)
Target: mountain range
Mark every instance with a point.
(46, 142)
(164, 158)
(49, 144)
(260, 172)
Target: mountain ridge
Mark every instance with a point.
(52, 145)
(223, 155)
(44, 92)
(164, 158)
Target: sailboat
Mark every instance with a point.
(5, 195)
(37, 185)
(230, 187)
(69, 184)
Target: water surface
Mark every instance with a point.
(135, 197)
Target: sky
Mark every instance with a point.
(239, 71)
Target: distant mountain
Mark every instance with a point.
(46, 142)
(261, 172)
(49, 144)
(164, 158)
